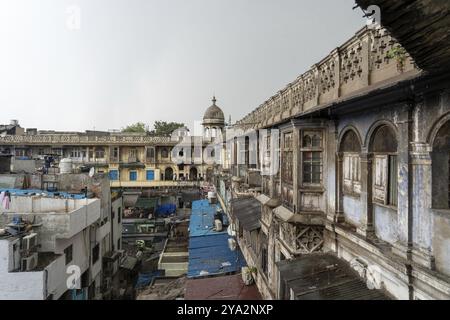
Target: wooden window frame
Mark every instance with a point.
(385, 179)
(351, 177)
(304, 149)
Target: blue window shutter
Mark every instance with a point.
(114, 175)
(150, 175)
(133, 175)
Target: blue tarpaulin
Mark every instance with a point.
(144, 279)
(166, 209)
(29, 192)
(210, 255)
(209, 252)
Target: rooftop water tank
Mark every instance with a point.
(65, 165)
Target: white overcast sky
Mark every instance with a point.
(147, 60)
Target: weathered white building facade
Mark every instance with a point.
(59, 245)
(363, 146)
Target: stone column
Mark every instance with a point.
(295, 168)
(366, 223)
(421, 205)
(339, 212)
(404, 217)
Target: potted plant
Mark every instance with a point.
(249, 275)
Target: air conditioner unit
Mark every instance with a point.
(29, 263)
(29, 241)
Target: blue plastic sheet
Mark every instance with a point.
(29, 192)
(166, 209)
(209, 252)
(144, 279)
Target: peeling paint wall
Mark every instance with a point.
(441, 242)
(385, 223)
(352, 211)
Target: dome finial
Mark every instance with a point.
(214, 100)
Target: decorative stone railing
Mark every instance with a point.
(66, 139)
(368, 58)
(81, 139)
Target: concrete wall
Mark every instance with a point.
(54, 224)
(22, 286)
(441, 241)
(81, 254)
(352, 210)
(27, 166)
(115, 224)
(385, 223)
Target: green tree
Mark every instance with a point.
(138, 127)
(163, 128)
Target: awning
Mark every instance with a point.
(129, 263)
(263, 199)
(283, 214)
(146, 203)
(322, 276)
(248, 212)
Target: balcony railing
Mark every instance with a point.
(301, 239)
(75, 139)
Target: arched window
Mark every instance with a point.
(385, 167)
(99, 152)
(441, 168)
(193, 173)
(351, 171)
(168, 174)
(164, 153)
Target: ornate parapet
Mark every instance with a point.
(80, 139)
(370, 57)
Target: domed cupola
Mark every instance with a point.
(214, 115)
(213, 120)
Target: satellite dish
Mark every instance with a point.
(91, 172)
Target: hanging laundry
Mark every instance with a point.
(5, 203)
(6, 200)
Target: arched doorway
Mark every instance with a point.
(209, 174)
(193, 173)
(168, 174)
(440, 158)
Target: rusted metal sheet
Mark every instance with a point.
(221, 288)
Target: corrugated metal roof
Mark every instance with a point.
(31, 192)
(323, 277)
(248, 212)
(209, 253)
(146, 203)
(202, 219)
(220, 288)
